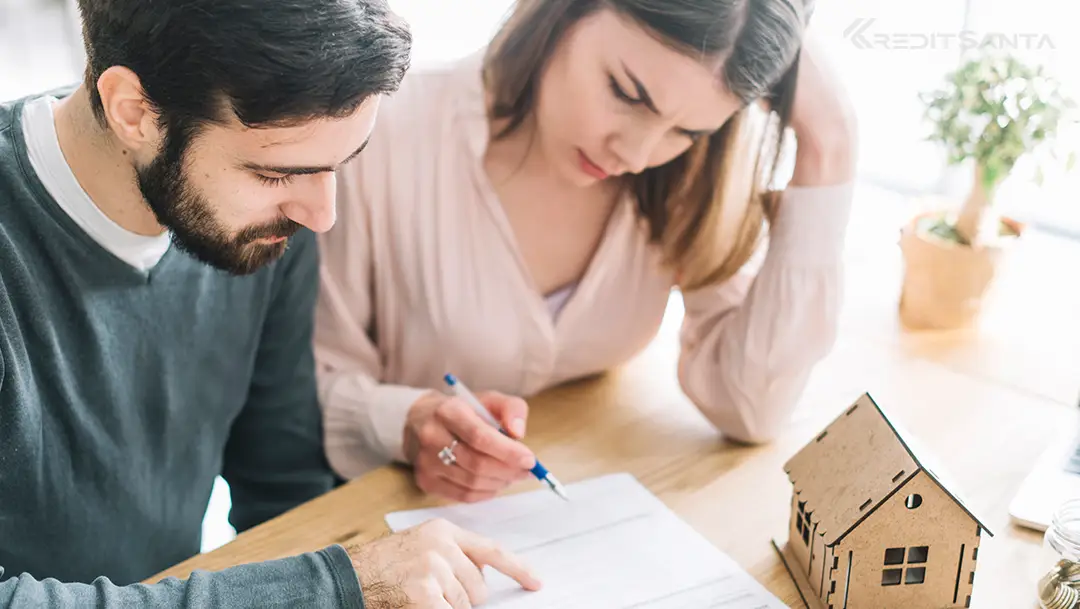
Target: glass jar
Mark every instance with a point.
(1059, 578)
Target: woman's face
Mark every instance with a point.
(614, 100)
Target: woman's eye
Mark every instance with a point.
(618, 92)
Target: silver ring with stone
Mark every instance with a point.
(446, 455)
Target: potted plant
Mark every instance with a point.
(990, 112)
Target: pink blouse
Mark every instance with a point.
(422, 276)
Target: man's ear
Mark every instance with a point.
(127, 112)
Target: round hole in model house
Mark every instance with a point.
(913, 501)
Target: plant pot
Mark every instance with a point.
(945, 282)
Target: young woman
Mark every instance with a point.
(521, 218)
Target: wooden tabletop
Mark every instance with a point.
(974, 398)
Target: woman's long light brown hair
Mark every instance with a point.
(707, 208)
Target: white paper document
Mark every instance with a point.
(614, 545)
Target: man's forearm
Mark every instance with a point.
(319, 580)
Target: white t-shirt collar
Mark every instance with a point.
(47, 160)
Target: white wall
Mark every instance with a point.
(39, 46)
(442, 31)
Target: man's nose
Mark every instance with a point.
(316, 207)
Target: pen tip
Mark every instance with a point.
(450, 379)
(557, 486)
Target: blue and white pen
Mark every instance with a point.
(542, 474)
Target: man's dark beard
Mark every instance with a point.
(190, 218)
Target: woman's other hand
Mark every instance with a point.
(823, 119)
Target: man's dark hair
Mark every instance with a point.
(272, 62)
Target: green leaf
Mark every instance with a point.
(995, 109)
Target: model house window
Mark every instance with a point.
(898, 571)
(802, 522)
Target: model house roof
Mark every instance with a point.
(850, 469)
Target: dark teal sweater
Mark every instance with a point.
(123, 394)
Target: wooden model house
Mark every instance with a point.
(871, 526)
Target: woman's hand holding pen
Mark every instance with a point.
(484, 460)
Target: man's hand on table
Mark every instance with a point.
(435, 565)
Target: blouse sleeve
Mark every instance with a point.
(750, 344)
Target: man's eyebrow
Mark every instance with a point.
(303, 170)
